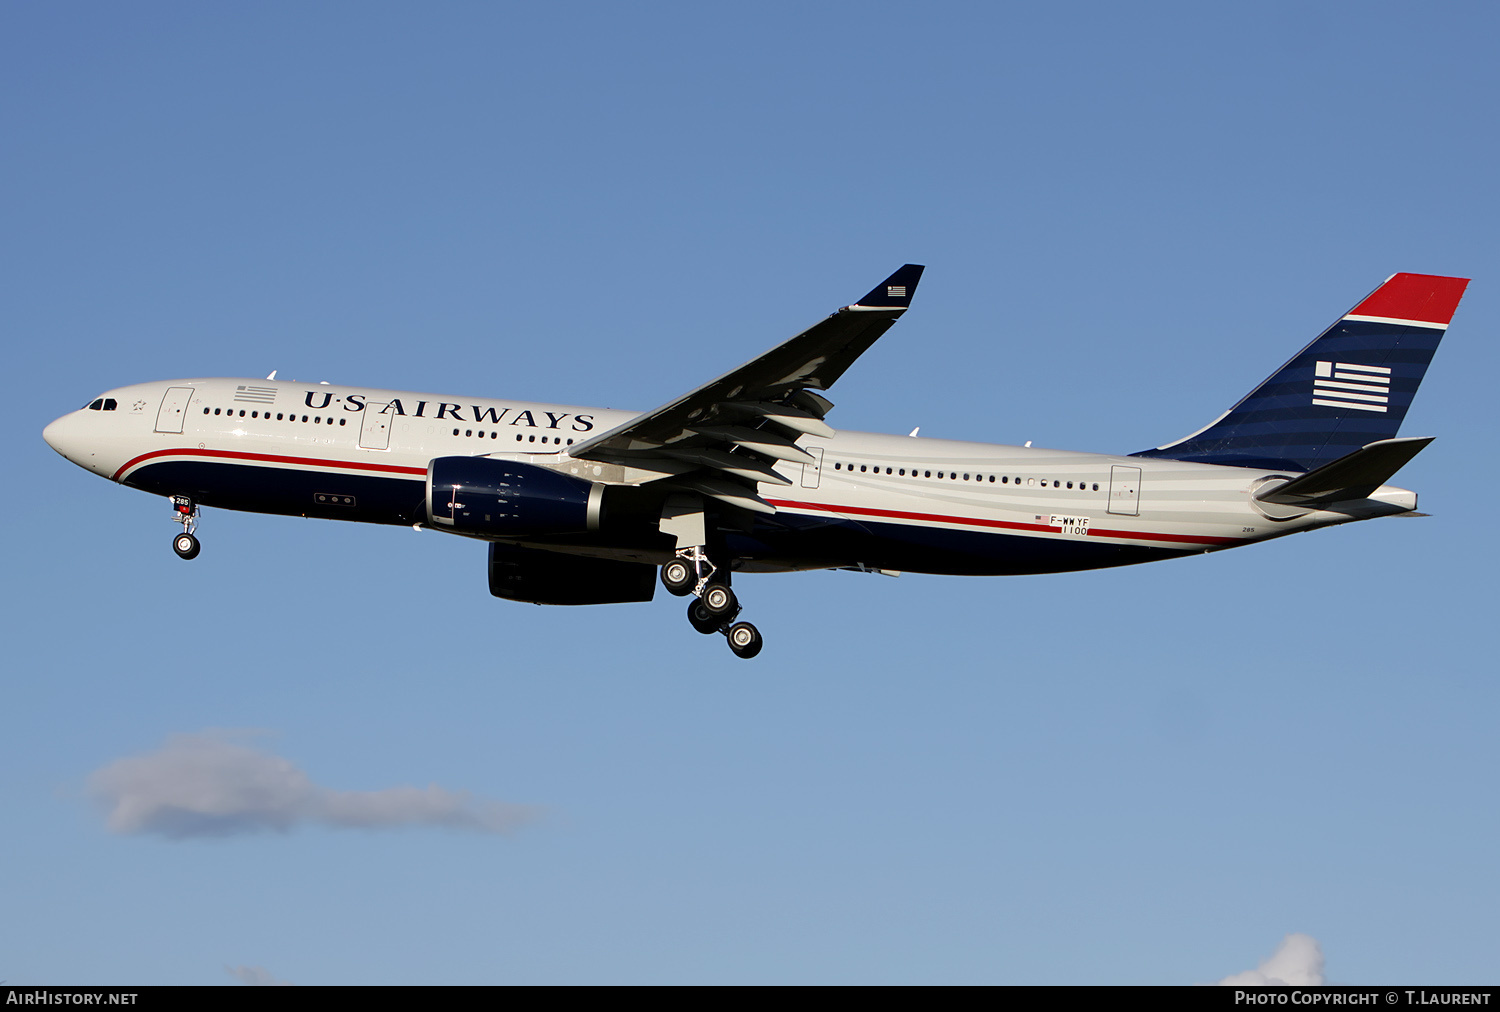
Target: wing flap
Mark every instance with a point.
(759, 440)
(727, 492)
(738, 464)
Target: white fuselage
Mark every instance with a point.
(893, 502)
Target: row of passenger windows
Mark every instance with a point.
(1003, 479)
(520, 437)
(280, 416)
(319, 420)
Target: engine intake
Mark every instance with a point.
(484, 496)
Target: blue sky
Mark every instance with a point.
(1130, 216)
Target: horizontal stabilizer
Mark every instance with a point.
(1355, 476)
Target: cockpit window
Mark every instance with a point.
(95, 406)
(110, 404)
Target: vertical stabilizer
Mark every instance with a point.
(1350, 387)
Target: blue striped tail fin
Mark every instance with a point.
(1350, 387)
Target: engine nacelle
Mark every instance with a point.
(481, 495)
(537, 577)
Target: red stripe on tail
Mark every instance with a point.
(1423, 298)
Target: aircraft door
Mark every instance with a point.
(173, 409)
(812, 470)
(1125, 490)
(375, 428)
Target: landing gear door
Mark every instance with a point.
(375, 428)
(1125, 490)
(812, 470)
(173, 409)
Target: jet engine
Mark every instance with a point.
(538, 577)
(483, 496)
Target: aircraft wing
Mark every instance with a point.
(724, 437)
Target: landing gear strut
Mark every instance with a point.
(714, 606)
(185, 512)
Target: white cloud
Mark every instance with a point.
(1297, 962)
(210, 784)
(255, 976)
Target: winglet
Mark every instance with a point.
(1423, 299)
(894, 292)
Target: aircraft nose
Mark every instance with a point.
(63, 436)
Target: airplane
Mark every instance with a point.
(584, 505)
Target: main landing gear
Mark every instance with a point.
(185, 512)
(714, 606)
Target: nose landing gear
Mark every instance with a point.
(714, 606)
(185, 512)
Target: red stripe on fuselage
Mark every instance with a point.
(1002, 524)
(939, 518)
(350, 465)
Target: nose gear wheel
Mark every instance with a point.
(185, 512)
(186, 546)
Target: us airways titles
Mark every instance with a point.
(482, 415)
